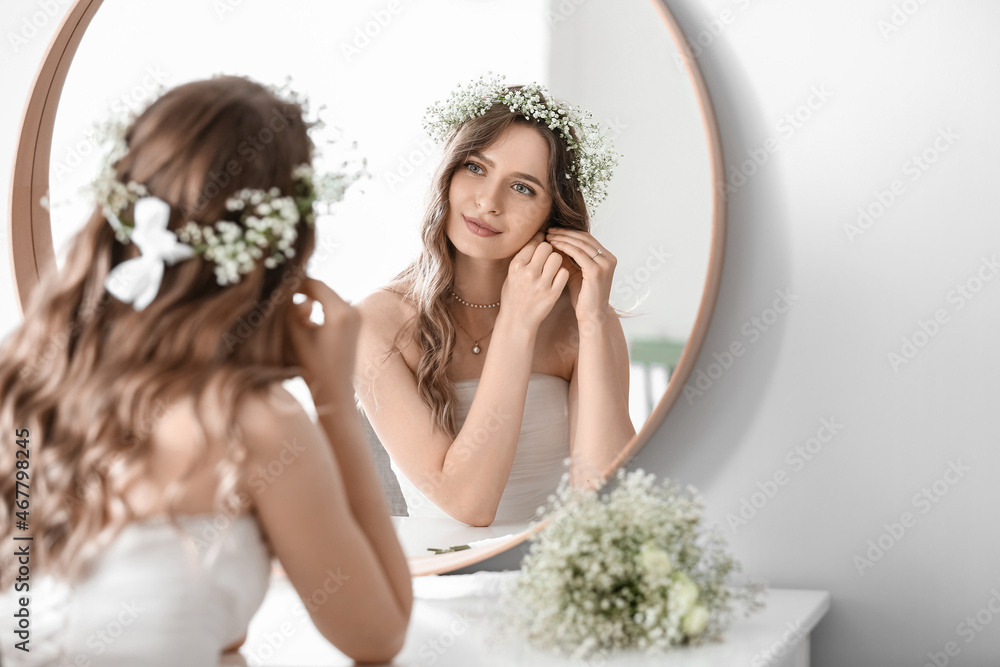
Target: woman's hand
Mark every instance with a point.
(325, 351)
(535, 279)
(590, 286)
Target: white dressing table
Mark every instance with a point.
(418, 536)
(454, 624)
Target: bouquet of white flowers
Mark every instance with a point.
(633, 568)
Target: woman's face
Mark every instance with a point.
(499, 197)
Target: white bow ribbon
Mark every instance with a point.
(137, 280)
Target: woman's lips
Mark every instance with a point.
(478, 227)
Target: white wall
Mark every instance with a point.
(827, 356)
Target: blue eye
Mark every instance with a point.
(523, 189)
(473, 167)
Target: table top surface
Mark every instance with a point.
(418, 536)
(454, 622)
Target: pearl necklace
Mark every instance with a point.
(473, 305)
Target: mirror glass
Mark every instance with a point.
(375, 66)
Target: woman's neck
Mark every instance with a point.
(479, 280)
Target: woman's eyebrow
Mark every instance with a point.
(517, 174)
(528, 177)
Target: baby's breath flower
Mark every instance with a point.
(629, 568)
(265, 218)
(265, 223)
(593, 159)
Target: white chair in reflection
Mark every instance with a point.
(651, 365)
(383, 468)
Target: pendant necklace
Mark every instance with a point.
(475, 342)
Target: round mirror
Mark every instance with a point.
(375, 66)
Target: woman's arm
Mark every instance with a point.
(600, 425)
(326, 520)
(340, 421)
(465, 476)
(337, 548)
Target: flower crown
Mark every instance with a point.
(264, 224)
(593, 160)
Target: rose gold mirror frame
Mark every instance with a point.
(32, 252)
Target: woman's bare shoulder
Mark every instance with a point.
(386, 305)
(387, 318)
(384, 313)
(269, 416)
(265, 416)
(184, 443)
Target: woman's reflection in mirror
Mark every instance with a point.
(495, 356)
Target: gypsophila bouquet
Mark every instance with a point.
(630, 568)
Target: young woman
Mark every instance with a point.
(163, 463)
(496, 354)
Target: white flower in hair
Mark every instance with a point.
(137, 280)
(263, 225)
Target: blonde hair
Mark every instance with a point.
(426, 283)
(88, 376)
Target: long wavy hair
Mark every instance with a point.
(90, 377)
(427, 282)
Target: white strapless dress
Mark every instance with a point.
(154, 598)
(539, 462)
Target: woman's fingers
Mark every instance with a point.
(299, 312)
(562, 277)
(562, 232)
(542, 252)
(320, 291)
(583, 252)
(324, 350)
(335, 309)
(579, 254)
(582, 240)
(553, 262)
(524, 255)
